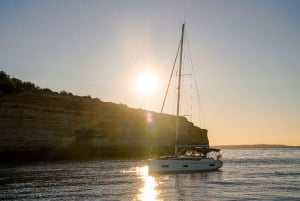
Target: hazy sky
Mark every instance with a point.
(246, 53)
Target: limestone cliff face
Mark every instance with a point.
(34, 120)
(46, 120)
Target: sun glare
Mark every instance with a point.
(148, 191)
(147, 83)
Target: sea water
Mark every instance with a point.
(247, 174)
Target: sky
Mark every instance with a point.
(246, 55)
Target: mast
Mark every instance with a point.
(179, 88)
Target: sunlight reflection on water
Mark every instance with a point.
(148, 191)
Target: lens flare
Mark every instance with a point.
(149, 117)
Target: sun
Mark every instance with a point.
(146, 83)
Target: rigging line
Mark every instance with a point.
(185, 90)
(196, 84)
(170, 79)
(167, 90)
(190, 97)
(184, 95)
(205, 120)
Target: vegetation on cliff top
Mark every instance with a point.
(13, 85)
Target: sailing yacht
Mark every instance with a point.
(187, 157)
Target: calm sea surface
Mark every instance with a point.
(247, 174)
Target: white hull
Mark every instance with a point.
(187, 164)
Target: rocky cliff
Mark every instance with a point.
(34, 120)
